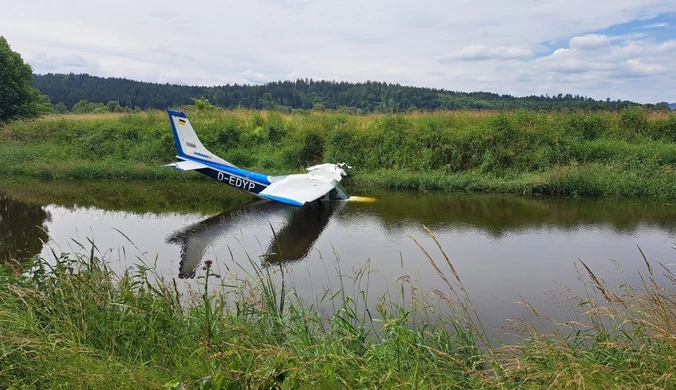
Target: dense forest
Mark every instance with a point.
(70, 89)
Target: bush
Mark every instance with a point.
(634, 120)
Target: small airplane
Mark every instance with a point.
(321, 182)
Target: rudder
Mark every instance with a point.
(187, 142)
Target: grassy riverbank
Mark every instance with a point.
(69, 323)
(630, 153)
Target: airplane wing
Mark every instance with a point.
(297, 190)
(186, 165)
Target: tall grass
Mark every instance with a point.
(71, 323)
(624, 338)
(498, 151)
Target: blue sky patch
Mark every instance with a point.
(658, 29)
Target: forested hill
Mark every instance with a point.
(304, 94)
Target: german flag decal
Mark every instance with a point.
(181, 122)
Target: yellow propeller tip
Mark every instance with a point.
(361, 199)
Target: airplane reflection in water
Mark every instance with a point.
(295, 239)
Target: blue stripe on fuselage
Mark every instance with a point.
(242, 173)
(233, 180)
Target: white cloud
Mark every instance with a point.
(637, 66)
(255, 77)
(55, 62)
(424, 43)
(643, 49)
(618, 72)
(656, 25)
(589, 42)
(172, 77)
(575, 65)
(485, 79)
(481, 52)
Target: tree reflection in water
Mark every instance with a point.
(22, 229)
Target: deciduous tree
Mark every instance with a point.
(18, 98)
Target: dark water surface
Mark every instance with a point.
(505, 248)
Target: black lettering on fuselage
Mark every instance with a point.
(233, 180)
(191, 145)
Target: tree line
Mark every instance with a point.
(25, 95)
(73, 89)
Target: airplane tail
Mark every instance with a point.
(187, 143)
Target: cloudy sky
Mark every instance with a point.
(622, 49)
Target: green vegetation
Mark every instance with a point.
(305, 94)
(630, 153)
(18, 98)
(71, 323)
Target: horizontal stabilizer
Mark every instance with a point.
(186, 165)
(296, 190)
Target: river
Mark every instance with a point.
(506, 249)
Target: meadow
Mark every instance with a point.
(626, 153)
